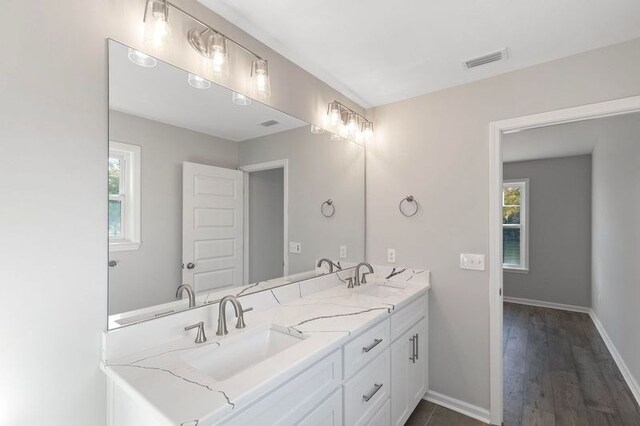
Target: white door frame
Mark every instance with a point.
(497, 129)
(258, 167)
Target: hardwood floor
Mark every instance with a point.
(428, 413)
(558, 371)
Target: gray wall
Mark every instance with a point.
(53, 254)
(53, 130)
(319, 169)
(616, 235)
(266, 224)
(150, 275)
(559, 230)
(436, 147)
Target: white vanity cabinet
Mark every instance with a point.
(408, 371)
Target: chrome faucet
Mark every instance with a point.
(332, 265)
(190, 293)
(359, 281)
(222, 319)
(200, 337)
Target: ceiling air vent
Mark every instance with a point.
(499, 55)
(269, 123)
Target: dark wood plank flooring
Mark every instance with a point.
(558, 371)
(428, 413)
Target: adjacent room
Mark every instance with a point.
(362, 213)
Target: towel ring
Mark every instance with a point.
(409, 199)
(328, 203)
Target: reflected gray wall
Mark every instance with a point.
(616, 235)
(149, 276)
(319, 169)
(559, 230)
(266, 224)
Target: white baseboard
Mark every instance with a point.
(543, 304)
(461, 407)
(626, 373)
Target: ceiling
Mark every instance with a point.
(561, 140)
(381, 51)
(162, 94)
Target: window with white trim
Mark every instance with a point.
(514, 224)
(124, 196)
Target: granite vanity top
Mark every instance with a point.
(183, 395)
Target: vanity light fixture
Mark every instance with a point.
(367, 131)
(198, 82)
(334, 113)
(240, 99)
(316, 130)
(260, 82)
(349, 123)
(213, 47)
(141, 59)
(156, 25)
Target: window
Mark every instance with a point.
(124, 196)
(514, 225)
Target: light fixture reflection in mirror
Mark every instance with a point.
(260, 83)
(156, 25)
(316, 130)
(141, 59)
(198, 82)
(240, 99)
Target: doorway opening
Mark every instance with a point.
(498, 130)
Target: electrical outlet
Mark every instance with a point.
(391, 255)
(295, 247)
(343, 252)
(474, 262)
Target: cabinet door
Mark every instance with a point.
(408, 372)
(329, 413)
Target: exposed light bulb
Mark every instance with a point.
(316, 130)
(367, 131)
(218, 54)
(260, 78)
(334, 113)
(141, 59)
(240, 99)
(156, 25)
(352, 124)
(198, 82)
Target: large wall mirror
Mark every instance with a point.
(217, 191)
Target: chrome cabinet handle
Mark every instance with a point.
(375, 343)
(375, 390)
(191, 265)
(412, 358)
(417, 347)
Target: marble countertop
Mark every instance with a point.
(182, 395)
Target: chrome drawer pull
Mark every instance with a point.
(375, 343)
(375, 390)
(412, 358)
(417, 347)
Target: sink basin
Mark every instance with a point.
(378, 290)
(239, 352)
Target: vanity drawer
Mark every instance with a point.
(383, 416)
(367, 391)
(290, 402)
(406, 317)
(365, 347)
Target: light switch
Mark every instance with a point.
(474, 262)
(343, 252)
(295, 247)
(391, 255)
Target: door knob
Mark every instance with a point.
(191, 265)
